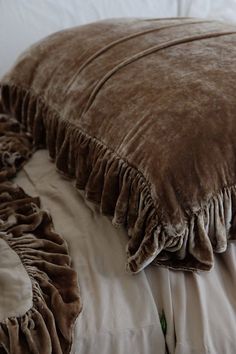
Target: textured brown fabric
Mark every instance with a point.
(46, 327)
(142, 114)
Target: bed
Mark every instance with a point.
(158, 310)
(121, 313)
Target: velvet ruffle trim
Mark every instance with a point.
(47, 327)
(124, 193)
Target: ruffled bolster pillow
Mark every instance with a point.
(142, 114)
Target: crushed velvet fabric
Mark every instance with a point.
(47, 326)
(142, 114)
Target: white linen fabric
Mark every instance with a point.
(224, 10)
(121, 312)
(23, 22)
(16, 296)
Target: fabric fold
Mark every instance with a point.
(47, 327)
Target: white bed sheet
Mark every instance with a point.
(121, 312)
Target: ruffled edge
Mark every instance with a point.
(48, 326)
(123, 192)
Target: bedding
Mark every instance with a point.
(39, 299)
(121, 313)
(111, 101)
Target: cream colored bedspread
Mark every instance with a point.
(121, 312)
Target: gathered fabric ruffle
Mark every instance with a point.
(47, 327)
(123, 192)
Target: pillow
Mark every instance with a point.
(142, 114)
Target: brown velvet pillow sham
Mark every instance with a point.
(143, 114)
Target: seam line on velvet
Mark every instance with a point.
(142, 54)
(124, 39)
